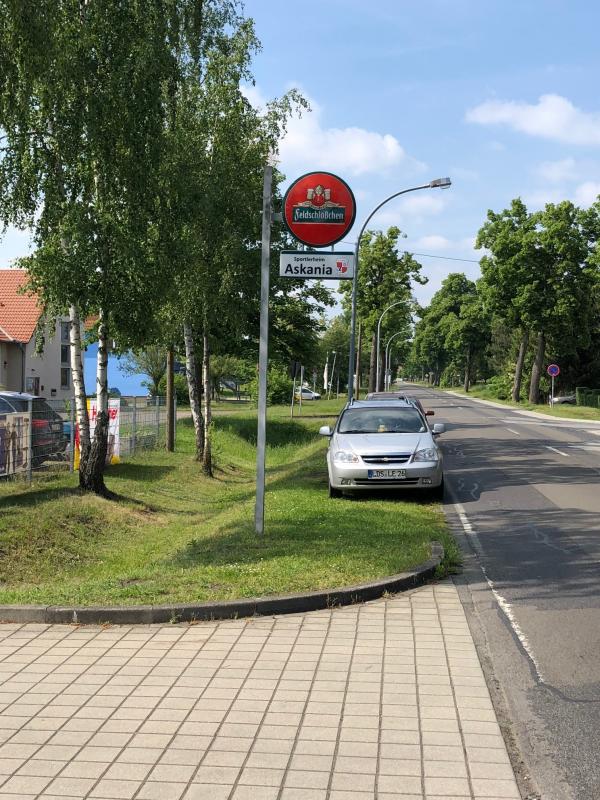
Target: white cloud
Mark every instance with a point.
(537, 199)
(552, 117)
(463, 174)
(434, 242)
(587, 193)
(557, 171)
(351, 151)
(423, 204)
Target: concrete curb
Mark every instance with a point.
(262, 606)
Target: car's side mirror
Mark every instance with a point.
(429, 413)
(438, 428)
(325, 430)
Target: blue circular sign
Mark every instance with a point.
(553, 370)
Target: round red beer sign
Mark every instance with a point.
(319, 209)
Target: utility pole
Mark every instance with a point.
(263, 353)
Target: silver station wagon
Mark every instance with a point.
(383, 444)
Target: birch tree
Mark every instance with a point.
(84, 97)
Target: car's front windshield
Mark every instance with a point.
(381, 420)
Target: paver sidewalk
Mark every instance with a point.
(383, 700)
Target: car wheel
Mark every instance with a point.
(333, 492)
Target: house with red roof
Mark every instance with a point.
(21, 369)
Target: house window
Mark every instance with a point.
(65, 378)
(64, 331)
(64, 354)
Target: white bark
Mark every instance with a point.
(77, 376)
(102, 368)
(193, 388)
(206, 455)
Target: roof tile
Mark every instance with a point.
(19, 313)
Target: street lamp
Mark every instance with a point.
(441, 183)
(399, 303)
(387, 350)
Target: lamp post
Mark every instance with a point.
(441, 183)
(399, 303)
(387, 351)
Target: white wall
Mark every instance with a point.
(47, 367)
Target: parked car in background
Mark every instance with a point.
(567, 399)
(400, 396)
(49, 439)
(383, 444)
(307, 394)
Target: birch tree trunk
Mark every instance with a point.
(91, 473)
(536, 372)
(516, 389)
(77, 375)
(206, 453)
(191, 372)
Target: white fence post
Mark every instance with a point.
(133, 427)
(157, 420)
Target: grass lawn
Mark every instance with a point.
(574, 412)
(176, 536)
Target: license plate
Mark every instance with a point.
(387, 473)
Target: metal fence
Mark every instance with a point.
(41, 435)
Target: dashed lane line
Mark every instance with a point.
(556, 450)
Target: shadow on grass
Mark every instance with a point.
(32, 497)
(279, 432)
(146, 473)
(237, 544)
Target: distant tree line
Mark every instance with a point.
(538, 301)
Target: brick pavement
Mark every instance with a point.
(384, 700)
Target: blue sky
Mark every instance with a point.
(500, 96)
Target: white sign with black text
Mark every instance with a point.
(316, 265)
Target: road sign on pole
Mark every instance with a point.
(319, 209)
(554, 371)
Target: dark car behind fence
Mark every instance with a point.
(39, 435)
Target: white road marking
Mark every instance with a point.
(503, 603)
(554, 450)
(513, 431)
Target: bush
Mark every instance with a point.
(181, 389)
(279, 387)
(500, 386)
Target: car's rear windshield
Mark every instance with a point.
(381, 420)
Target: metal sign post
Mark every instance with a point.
(259, 510)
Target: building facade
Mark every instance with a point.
(22, 369)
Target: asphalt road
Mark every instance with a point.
(523, 492)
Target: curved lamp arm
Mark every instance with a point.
(442, 183)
